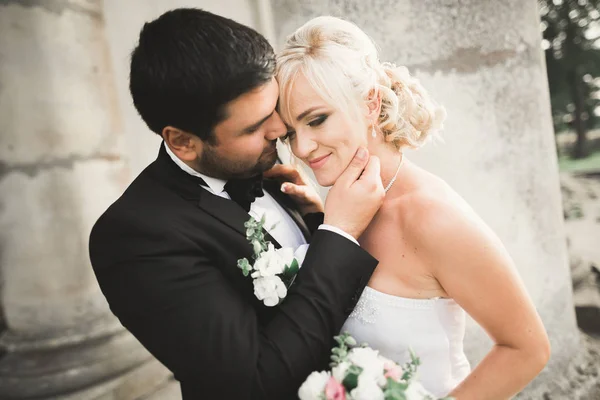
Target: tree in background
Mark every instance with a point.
(573, 63)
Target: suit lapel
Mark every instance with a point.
(227, 212)
(188, 187)
(230, 213)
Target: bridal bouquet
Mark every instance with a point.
(360, 373)
(273, 270)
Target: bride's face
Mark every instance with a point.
(319, 134)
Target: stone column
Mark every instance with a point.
(482, 60)
(60, 166)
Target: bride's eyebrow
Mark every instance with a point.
(305, 113)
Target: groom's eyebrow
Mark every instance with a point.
(257, 125)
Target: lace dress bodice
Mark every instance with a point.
(433, 328)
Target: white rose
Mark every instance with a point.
(314, 386)
(269, 289)
(286, 256)
(269, 263)
(416, 391)
(339, 371)
(367, 389)
(368, 359)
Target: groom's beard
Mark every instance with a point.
(217, 166)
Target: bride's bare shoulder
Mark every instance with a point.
(431, 209)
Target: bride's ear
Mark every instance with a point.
(373, 101)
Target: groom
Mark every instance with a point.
(165, 253)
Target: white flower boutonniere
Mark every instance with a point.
(274, 270)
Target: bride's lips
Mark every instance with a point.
(317, 163)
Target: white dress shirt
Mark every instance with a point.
(278, 222)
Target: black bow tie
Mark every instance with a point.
(245, 191)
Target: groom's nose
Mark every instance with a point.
(275, 128)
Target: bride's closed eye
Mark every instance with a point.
(313, 124)
(318, 121)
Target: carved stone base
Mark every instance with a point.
(82, 369)
(148, 381)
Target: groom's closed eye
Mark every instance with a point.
(288, 135)
(254, 127)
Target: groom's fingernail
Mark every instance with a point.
(362, 153)
(283, 188)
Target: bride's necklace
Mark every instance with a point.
(396, 174)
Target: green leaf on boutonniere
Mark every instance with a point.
(245, 266)
(341, 339)
(251, 223)
(349, 341)
(292, 269)
(288, 280)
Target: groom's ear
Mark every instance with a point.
(182, 143)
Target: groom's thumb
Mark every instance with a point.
(355, 168)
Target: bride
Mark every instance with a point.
(437, 259)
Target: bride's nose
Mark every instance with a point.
(303, 145)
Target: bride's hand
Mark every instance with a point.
(297, 186)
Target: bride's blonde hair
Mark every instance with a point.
(341, 63)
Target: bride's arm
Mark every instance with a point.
(474, 268)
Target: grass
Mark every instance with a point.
(588, 164)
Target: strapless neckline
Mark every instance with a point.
(405, 301)
(432, 327)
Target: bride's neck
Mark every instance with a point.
(389, 159)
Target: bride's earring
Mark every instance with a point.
(373, 132)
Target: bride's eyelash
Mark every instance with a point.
(318, 121)
(314, 123)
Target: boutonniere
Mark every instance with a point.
(273, 270)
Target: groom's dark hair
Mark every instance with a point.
(189, 63)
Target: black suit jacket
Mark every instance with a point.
(165, 255)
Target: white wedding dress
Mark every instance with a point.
(433, 328)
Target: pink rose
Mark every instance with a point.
(334, 390)
(392, 371)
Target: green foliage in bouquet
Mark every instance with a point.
(394, 390)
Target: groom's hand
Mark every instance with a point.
(356, 196)
(297, 186)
